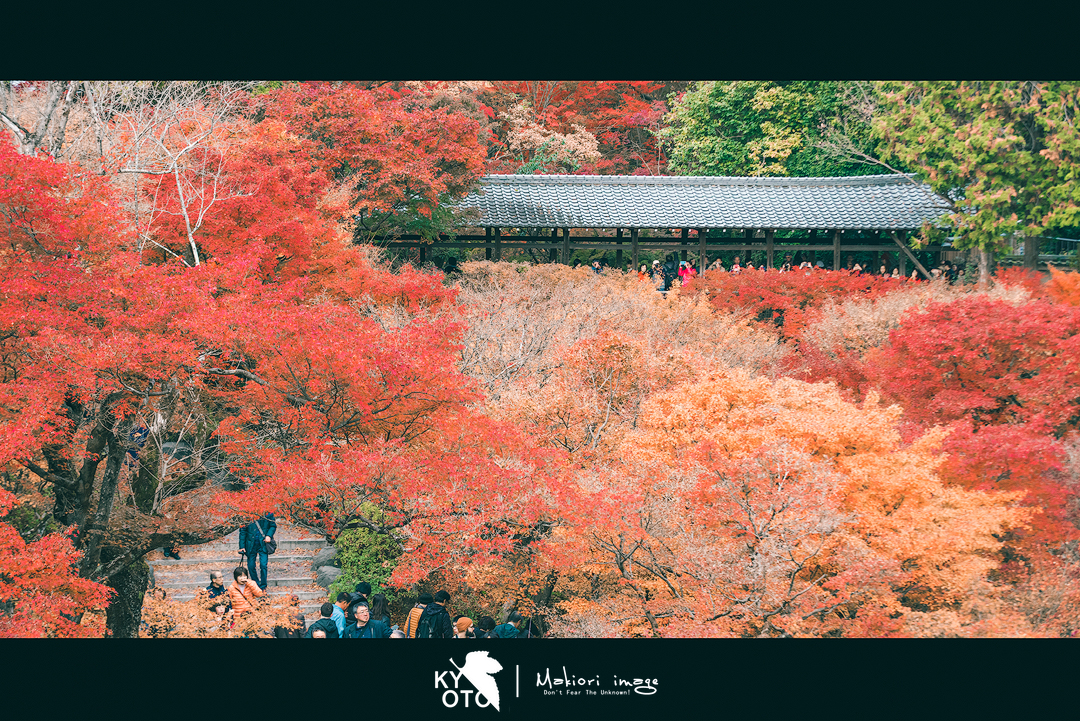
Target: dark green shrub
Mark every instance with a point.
(365, 556)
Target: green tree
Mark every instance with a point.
(366, 556)
(1005, 154)
(762, 128)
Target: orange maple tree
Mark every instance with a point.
(749, 507)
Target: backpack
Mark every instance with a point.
(427, 627)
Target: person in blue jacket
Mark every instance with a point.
(253, 538)
(366, 626)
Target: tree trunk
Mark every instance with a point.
(542, 599)
(984, 269)
(92, 537)
(124, 613)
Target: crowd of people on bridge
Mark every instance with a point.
(674, 273)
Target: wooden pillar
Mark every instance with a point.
(618, 249)
(487, 239)
(553, 255)
(566, 246)
(911, 256)
(685, 237)
(902, 257)
(836, 249)
(703, 251)
(422, 247)
(1031, 252)
(749, 235)
(634, 248)
(770, 250)
(498, 251)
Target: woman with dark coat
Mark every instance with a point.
(380, 608)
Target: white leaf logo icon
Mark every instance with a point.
(479, 668)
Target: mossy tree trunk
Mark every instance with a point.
(124, 613)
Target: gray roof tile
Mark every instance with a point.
(621, 201)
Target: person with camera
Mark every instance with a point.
(257, 541)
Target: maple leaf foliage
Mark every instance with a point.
(677, 459)
(840, 333)
(40, 584)
(989, 360)
(398, 154)
(531, 437)
(787, 300)
(1064, 286)
(1032, 281)
(622, 116)
(282, 345)
(749, 507)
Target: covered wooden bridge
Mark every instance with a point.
(697, 217)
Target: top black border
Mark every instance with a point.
(552, 41)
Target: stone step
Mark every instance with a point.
(230, 545)
(196, 582)
(202, 583)
(233, 558)
(180, 573)
(201, 579)
(316, 598)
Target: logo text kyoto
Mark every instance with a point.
(478, 672)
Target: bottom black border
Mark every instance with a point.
(764, 678)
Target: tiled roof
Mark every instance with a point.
(865, 202)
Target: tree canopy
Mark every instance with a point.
(762, 128)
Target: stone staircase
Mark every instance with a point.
(288, 570)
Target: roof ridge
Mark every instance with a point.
(692, 201)
(730, 180)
